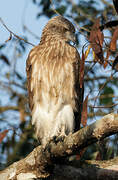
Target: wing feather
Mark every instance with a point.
(79, 93)
(53, 87)
(29, 66)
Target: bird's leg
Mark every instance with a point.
(56, 139)
(61, 135)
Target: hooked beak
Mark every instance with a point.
(71, 37)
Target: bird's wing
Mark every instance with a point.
(31, 81)
(29, 72)
(79, 92)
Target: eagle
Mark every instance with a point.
(53, 69)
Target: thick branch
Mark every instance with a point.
(40, 161)
(88, 170)
(102, 128)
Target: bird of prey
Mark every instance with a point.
(55, 96)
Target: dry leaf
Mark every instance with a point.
(81, 76)
(106, 59)
(96, 39)
(84, 112)
(113, 40)
(3, 135)
(87, 51)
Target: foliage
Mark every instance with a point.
(99, 75)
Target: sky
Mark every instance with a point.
(15, 14)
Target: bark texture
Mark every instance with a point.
(48, 162)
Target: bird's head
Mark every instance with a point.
(59, 28)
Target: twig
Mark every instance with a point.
(12, 33)
(29, 31)
(109, 78)
(18, 85)
(53, 8)
(110, 106)
(107, 3)
(80, 11)
(7, 108)
(103, 96)
(97, 78)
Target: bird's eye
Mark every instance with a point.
(53, 27)
(65, 29)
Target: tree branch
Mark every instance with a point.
(40, 162)
(12, 33)
(88, 170)
(7, 108)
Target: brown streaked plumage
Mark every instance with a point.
(53, 81)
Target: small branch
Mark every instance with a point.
(104, 84)
(103, 96)
(107, 3)
(7, 108)
(80, 11)
(40, 161)
(53, 8)
(86, 79)
(110, 106)
(93, 115)
(18, 85)
(12, 33)
(86, 136)
(29, 31)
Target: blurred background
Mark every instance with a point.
(26, 18)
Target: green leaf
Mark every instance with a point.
(105, 99)
(61, 10)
